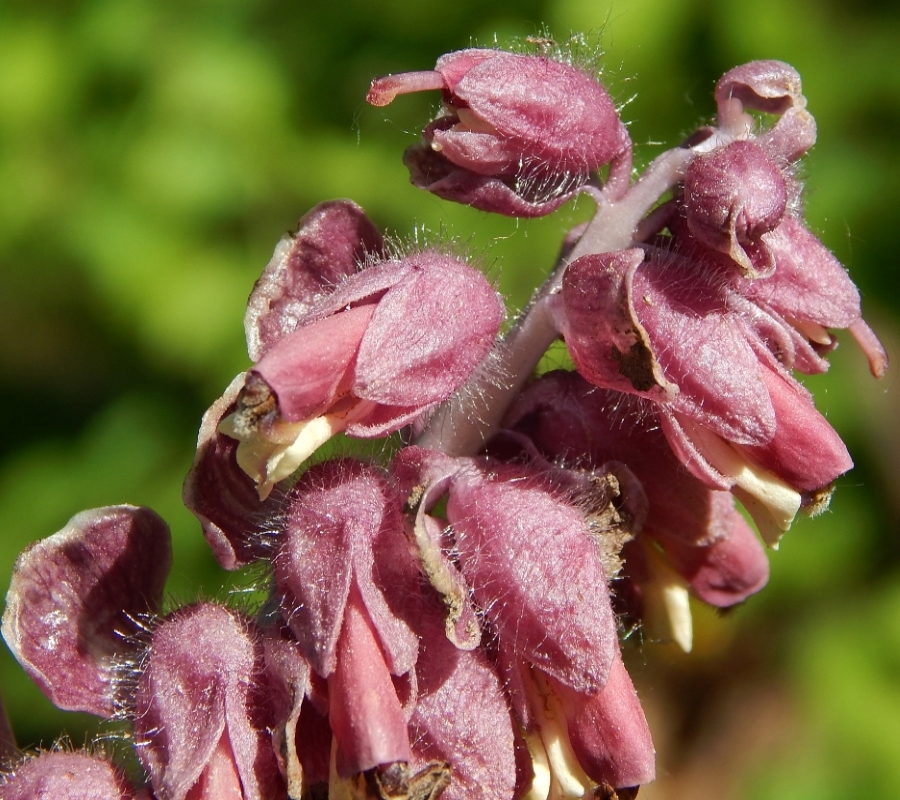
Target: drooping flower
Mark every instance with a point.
(532, 561)
(519, 135)
(662, 327)
(528, 555)
(340, 611)
(373, 354)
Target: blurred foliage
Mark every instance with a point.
(151, 155)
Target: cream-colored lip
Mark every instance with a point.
(667, 609)
(557, 773)
(272, 456)
(811, 330)
(771, 502)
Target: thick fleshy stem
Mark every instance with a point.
(462, 425)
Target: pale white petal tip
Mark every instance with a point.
(667, 605)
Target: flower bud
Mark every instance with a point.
(732, 197)
(520, 134)
(770, 86)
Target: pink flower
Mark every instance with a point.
(527, 553)
(338, 520)
(669, 329)
(345, 340)
(520, 134)
(368, 356)
(534, 565)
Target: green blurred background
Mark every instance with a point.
(153, 153)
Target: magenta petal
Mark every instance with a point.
(60, 775)
(365, 714)
(607, 341)
(791, 136)
(536, 572)
(726, 571)
(462, 718)
(806, 452)
(659, 330)
(686, 451)
(384, 420)
(809, 283)
(307, 368)
(73, 596)
(453, 67)
(314, 567)
(332, 518)
(476, 151)
(196, 702)
(223, 497)
(428, 333)
(703, 348)
(332, 242)
(362, 288)
(609, 732)
(561, 115)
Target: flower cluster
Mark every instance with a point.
(445, 620)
